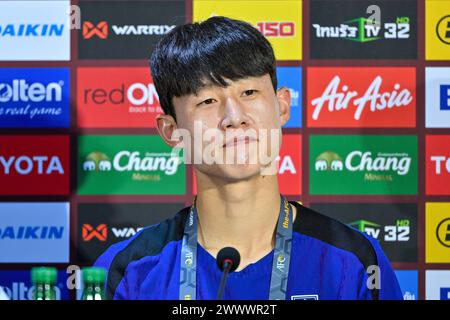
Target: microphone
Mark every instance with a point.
(228, 260)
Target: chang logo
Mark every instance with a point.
(97, 161)
(364, 161)
(329, 161)
(132, 161)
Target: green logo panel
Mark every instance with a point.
(128, 165)
(363, 165)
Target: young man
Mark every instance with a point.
(220, 75)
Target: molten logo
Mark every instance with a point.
(100, 232)
(90, 30)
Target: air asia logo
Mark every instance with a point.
(131, 161)
(444, 90)
(365, 30)
(31, 232)
(437, 164)
(443, 29)
(276, 29)
(124, 97)
(366, 162)
(89, 232)
(32, 30)
(34, 165)
(101, 30)
(443, 232)
(361, 97)
(90, 30)
(391, 233)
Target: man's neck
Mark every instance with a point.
(241, 214)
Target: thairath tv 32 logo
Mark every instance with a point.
(364, 30)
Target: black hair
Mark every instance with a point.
(194, 55)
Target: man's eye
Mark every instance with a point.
(249, 92)
(207, 101)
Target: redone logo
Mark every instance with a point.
(137, 94)
(116, 97)
(361, 97)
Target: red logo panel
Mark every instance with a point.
(34, 165)
(116, 98)
(438, 165)
(361, 97)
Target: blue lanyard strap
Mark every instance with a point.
(280, 264)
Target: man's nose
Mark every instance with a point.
(234, 115)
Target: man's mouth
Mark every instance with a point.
(239, 140)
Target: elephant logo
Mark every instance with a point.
(329, 161)
(97, 161)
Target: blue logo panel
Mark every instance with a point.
(408, 280)
(291, 77)
(34, 98)
(17, 285)
(34, 232)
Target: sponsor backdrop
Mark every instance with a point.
(368, 142)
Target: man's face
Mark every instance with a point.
(240, 126)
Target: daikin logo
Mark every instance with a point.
(32, 30)
(132, 161)
(19, 90)
(364, 161)
(31, 232)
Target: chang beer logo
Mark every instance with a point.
(329, 161)
(365, 161)
(132, 161)
(97, 161)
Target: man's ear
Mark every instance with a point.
(284, 101)
(166, 125)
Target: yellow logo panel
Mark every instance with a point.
(437, 29)
(280, 21)
(437, 233)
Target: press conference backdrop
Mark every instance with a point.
(368, 142)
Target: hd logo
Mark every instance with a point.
(390, 233)
(364, 30)
(353, 29)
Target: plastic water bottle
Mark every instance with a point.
(44, 281)
(94, 282)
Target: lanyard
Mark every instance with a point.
(280, 264)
